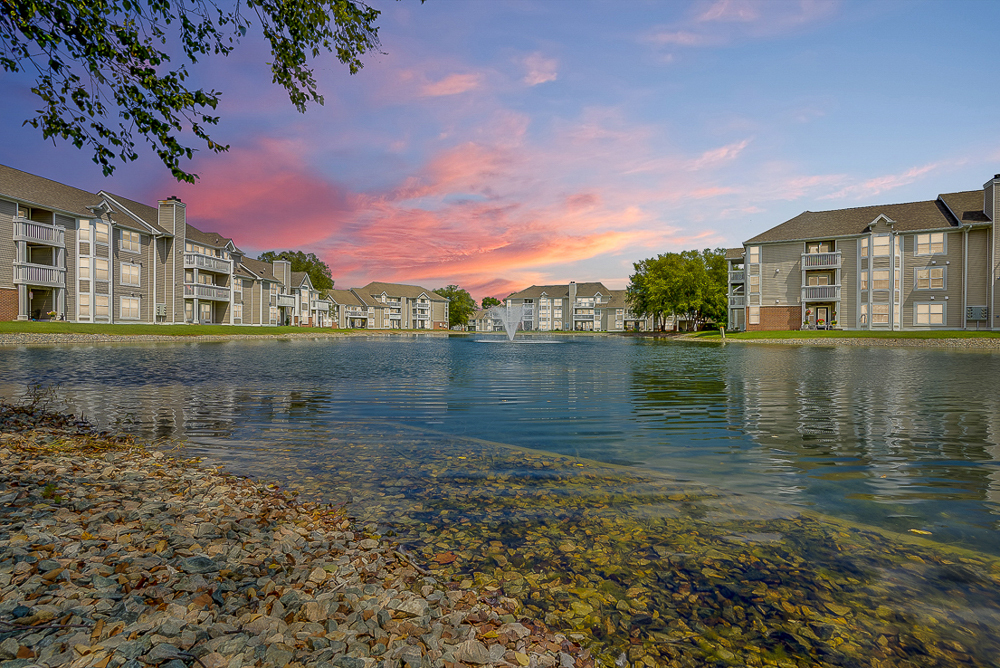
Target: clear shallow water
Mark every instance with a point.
(904, 438)
(689, 543)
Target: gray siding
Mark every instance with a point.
(848, 315)
(978, 271)
(951, 261)
(7, 211)
(781, 273)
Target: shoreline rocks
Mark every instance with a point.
(113, 556)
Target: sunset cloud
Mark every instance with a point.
(453, 84)
(539, 69)
(881, 184)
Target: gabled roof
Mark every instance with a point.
(400, 290)
(213, 239)
(734, 253)
(128, 211)
(908, 217)
(967, 206)
(46, 192)
(260, 269)
(301, 277)
(586, 289)
(345, 297)
(591, 289)
(617, 300)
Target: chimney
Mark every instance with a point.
(991, 195)
(171, 215)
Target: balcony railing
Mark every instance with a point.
(821, 260)
(209, 292)
(27, 273)
(39, 233)
(286, 300)
(737, 276)
(393, 302)
(820, 292)
(419, 316)
(737, 301)
(208, 263)
(585, 316)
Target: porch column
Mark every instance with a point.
(23, 303)
(60, 303)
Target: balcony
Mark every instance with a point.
(286, 300)
(207, 263)
(322, 307)
(577, 317)
(812, 293)
(737, 301)
(821, 260)
(737, 276)
(26, 273)
(393, 303)
(39, 233)
(421, 316)
(209, 292)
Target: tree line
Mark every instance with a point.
(691, 284)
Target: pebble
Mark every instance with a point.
(114, 556)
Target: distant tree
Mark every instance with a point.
(489, 302)
(461, 307)
(690, 283)
(105, 73)
(318, 272)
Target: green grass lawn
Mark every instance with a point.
(828, 334)
(19, 327)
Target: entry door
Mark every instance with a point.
(823, 313)
(206, 312)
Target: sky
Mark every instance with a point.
(495, 145)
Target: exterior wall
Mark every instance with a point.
(8, 210)
(978, 272)
(781, 275)
(847, 316)
(777, 318)
(172, 216)
(71, 226)
(144, 290)
(8, 304)
(952, 261)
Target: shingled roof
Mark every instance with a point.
(345, 297)
(399, 290)
(213, 239)
(586, 289)
(734, 253)
(909, 217)
(264, 270)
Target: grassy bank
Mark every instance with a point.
(839, 334)
(22, 327)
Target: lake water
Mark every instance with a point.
(717, 456)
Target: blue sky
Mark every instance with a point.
(499, 144)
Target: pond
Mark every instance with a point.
(680, 504)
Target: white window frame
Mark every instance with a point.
(98, 261)
(753, 315)
(863, 280)
(274, 315)
(864, 314)
(887, 280)
(878, 246)
(102, 310)
(238, 312)
(930, 278)
(133, 304)
(84, 232)
(876, 313)
(130, 268)
(864, 246)
(928, 242)
(83, 304)
(98, 234)
(753, 254)
(134, 243)
(929, 314)
(754, 284)
(83, 265)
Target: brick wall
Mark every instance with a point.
(778, 318)
(8, 304)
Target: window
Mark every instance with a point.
(753, 315)
(928, 314)
(864, 314)
(864, 280)
(84, 299)
(274, 315)
(753, 255)
(930, 244)
(100, 269)
(130, 274)
(85, 267)
(881, 245)
(755, 284)
(130, 308)
(819, 280)
(880, 314)
(85, 232)
(880, 279)
(931, 278)
(864, 247)
(130, 241)
(101, 305)
(819, 247)
(101, 235)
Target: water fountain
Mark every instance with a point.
(510, 315)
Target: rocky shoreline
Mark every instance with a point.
(113, 554)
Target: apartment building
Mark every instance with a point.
(910, 266)
(68, 254)
(400, 306)
(582, 307)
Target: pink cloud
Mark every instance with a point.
(453, 84)
(540, 69)
(731, 10)
(881, 184)
(719, 155)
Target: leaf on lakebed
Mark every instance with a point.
(445, 558)
(920, 531)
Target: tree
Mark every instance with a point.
(461, 307)
(319, 272)
(489, 302)
(690, 283)
(96, 59)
